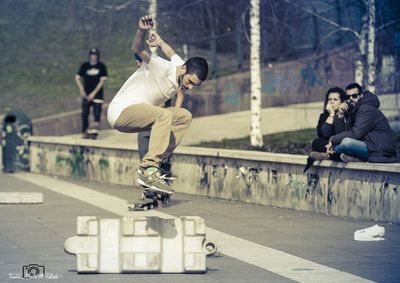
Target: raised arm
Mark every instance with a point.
(145, 23)
(156, 41)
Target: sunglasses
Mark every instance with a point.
(355, 95)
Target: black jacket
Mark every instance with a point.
(368, 124)
(325, 130)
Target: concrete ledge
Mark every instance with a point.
(359, 190)
(221, 153)
(20, 198)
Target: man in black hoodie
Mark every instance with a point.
(368, 136)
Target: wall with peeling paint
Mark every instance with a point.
(359, 190)
(88, 162)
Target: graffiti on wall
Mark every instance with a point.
(250, 178)
(285, 83)
(104, 165)
(77, 161)
(220, 179)
(42, 161)
(82, 162)
(384, 195)
(204, 176)
(310, 76)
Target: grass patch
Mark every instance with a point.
(293, 142)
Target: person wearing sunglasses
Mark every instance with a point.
(329, 124)
(368, 135)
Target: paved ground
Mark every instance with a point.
(35, 234)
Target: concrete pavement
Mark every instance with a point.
(34, 234)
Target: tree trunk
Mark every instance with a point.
(213, 40)
(255, 74)
(371, 60)
(153, 14)
(238, 34)
(360, 65)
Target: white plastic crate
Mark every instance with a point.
(140, 244)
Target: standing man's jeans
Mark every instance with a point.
(353, 147)
(86, 110)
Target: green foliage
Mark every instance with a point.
(43, 42)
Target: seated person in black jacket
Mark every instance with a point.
(329, 123)
(368, 136)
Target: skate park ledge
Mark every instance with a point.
(357, 190)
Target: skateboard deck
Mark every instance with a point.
(142, 205)
(93, 131)
(92, 134)
(149, 199)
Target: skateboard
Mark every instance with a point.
(93, 131)
(92, 134)
(150, 198)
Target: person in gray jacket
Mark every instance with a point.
(368, 135)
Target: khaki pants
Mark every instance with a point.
(167, 125)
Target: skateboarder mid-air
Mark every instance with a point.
(136, 106)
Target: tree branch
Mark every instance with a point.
(346, 29)
(388, 25)
(326, 36)
(113, 8)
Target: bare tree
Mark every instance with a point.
(153, 13)
(371, 50)
(365, 64)
(256, 137)
(360, 64)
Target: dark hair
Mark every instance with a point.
(198, 66)
(355, 85)
(342, 95)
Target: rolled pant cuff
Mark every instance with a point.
(147, 163)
